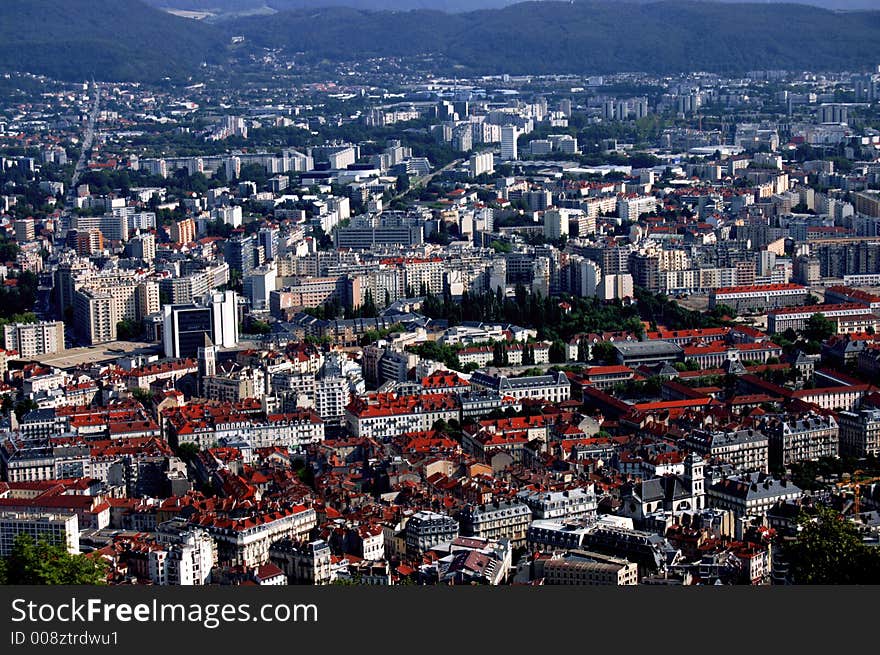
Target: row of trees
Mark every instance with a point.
(553, 319)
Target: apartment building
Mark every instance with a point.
(581, 567)
(799, 438)
(58, 529)
(859, 432)
(32, 339)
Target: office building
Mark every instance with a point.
(509, 135)
(185, 326)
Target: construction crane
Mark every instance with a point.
(856, 485)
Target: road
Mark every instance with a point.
(426, 180)
(88, 139)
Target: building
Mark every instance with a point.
(751, 495)
(859, 432)
(143, 247)
(239, 253)
(94, 316)
(867, 203)
(58, 529)
(799, 438)
(498, 520)
(555, 224)
(425, 529)
(745, 450)
(113, 227)
(185, 326)
(615, 287)
(582, 567)
(246, 540)
(183, 231)
(481, 163)
(509, 136)
(185, 558)
(384, 415)
(779, 320)
(307, 563)
(24, 229)
(386, 229)
(554, 388)
(32, 339)
(573, 504)
(647, 353)
(759, 297)
(259, 283)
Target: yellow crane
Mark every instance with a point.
(856, 484)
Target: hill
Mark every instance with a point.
(111, 39)
(224, 8)
(586, 36)
(231, 7)
(129, 40)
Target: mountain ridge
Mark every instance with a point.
(127, 40)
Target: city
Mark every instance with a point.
(385, 321)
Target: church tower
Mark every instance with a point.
(207, 358)
(693, 473)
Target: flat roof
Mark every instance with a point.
(74, 357)
(642, 348)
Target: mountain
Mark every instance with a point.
(232, 7)
(129, 40)
(227, 8)
(584, 36)
(108, 39)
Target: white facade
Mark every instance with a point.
(509, 135)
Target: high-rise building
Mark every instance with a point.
(186, 326)
(565, 107)
(58, 529)
(509, 135)
(143, 247)
(481, 163)
(239, 253)
(93, 316)
(24, 229)
(32, 339)
(268, 237)
(258, 284)
(89, 242)
(555, 224)
(183, 231)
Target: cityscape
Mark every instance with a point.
(311, 317)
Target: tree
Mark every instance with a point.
(401, 185)
(259, 327)
(583, 349)
(187, 451)
(818, 327)
(41, 562)
(557, 352)
(604, 351)
(126, 329)
(829, 550)
(24, 406)
(142, 396)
